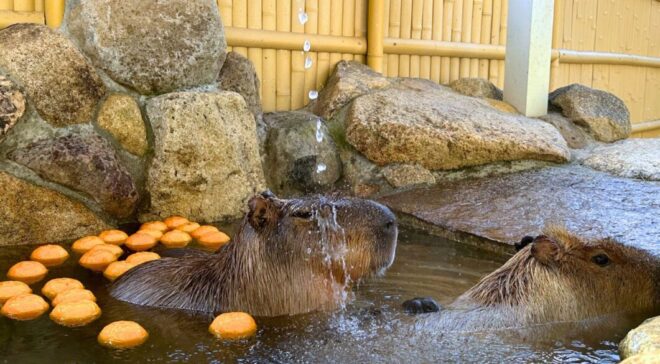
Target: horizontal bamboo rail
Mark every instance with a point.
(241, 37)
(645, 126)
(9, 17)
(442, 48)
(588, 57)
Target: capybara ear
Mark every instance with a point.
(526, 240)
(263, 212)
(545, 250)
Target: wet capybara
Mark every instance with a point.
(288, 257)
(558, 277)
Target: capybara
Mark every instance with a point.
(557, 277)
(288, 257)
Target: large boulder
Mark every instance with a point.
(32, 214)
(300, 154)
(60, 82)
(238, 75)
(86, 163)
(602, 113)
(152, 46)
(349, 80)
(642, 340)
(441, 129)
(406, 175)
(121, 117)
(206, 161)
(12, 105)
(476, 87)
(632, 158)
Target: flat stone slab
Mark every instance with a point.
(631, 158)
(505, 208)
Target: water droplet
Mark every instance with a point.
(308, 62)
(321, 167)
(307, 46)
(313, 94)
(319, 132)
(302, 16)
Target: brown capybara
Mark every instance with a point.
(558, 277)
(288, 257)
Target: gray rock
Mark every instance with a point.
(405, 175)
(645, 339)
(12, 105)
(631, 158)
(349, 80)
(151, 46)
(476, 87)
(575, 136)
(121, 117)
(505, 208)
(441, 129)
(238, 75)
(85, 163)
(603, 114)
(32, 214)
(206, 161)
(300, 154)
(60, 82)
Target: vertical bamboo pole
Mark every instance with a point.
(375, 34)
(225, 14)
(416, 33)
(54, 12)
(427, 33)
(336, 28)
(503, 30)
(283, 88)
(361, 23)
(466, 36)
(6, 4)
(456, 34)
(39, 5)
(269, 77)
(24, 5)
(311, 27)
(254, 22)
(477, 10)
(406, 19)
(239, 19)
(556, 37)
(447, 19)
(386, 29)
(486, 21)
(348, 25)
(297, 59)
(493, 74)
(604, 23)
(323, 68)
(436, 34)
(394, 32)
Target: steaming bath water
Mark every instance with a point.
(371, 327)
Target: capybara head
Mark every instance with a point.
(560, 277)
(349, 238)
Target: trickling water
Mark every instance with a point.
(333, 249)
(321, 167)
(313, 94)
(307, 46)
(308, 62)
(319, 131)
(302, 16)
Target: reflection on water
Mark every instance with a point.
(371, 328)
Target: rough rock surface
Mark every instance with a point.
(441, 129)
(300, 154)
(602, 113)
(476, 87)
(12, 105)
(506, 208)
(120, 116)
(646, 358)
(632, 158)
(206, 159)
(238, 75)
(86, 163)
(349, 80)
(575, 136)
(404, 175)
(60, 82)
(183, 46)
(642, 340)
(31, 214)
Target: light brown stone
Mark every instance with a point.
(120, 116)
(12, 105)
(642, 340)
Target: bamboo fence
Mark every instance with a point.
(612, 45)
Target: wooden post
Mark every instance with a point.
(375, 35)
(528, 55)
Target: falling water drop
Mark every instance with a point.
(313, 94)
(302, 16)
(321, 167)
(319, 132)
(308, 62)
(307, 46)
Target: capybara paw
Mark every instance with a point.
(526, 240)
(421, 305)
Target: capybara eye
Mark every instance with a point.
(601, 260)
(389, 224)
